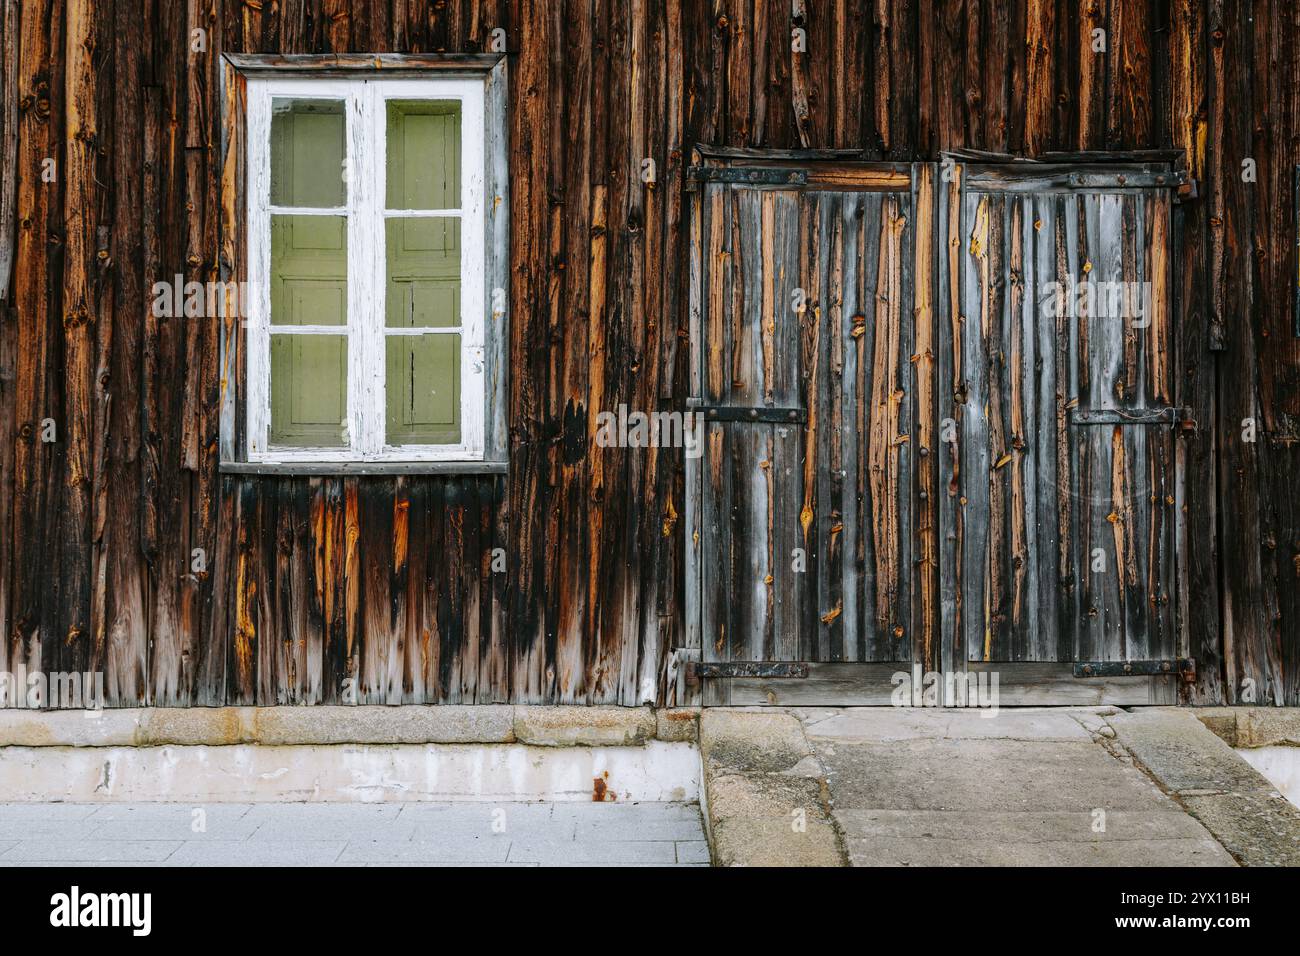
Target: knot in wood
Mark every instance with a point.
(76, 318)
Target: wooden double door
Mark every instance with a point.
(939, 453)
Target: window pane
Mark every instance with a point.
(309, 270)
(423, 273)
(307, 152)
(423, 389)
(423, 154)
(309, 390)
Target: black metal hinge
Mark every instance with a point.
(731, 413)
(751, 176)
(1136, 416)
(696, 670)
(1173, 179)
(1185, 667)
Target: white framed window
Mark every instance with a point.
(368, 306)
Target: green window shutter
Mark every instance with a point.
(423, 154)
(307, 150)
(309, 266)
(423, 256)
(423, 389)
(309, 403)
(423, 273)
(308, 372)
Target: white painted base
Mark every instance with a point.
(1280, 765)
(369, 773)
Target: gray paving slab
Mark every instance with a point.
(289, 830)
(213, 813)
(461, 828)
(486, 849)
(249, 853)
(45, 812)
(361, 814)
(893, 851)
(642, 812)
(481, 819)
(885, 725)
(632, 829)
(910, 787)
(305, 834)
(89, 851)
(425, 863)
(981, 774)
(46, 829)
(1259, 829)
(1236, 803)
(605, 866)
(593, 851)
(94, 864)
(692, 851)
(1032, 826)
(762, 777)
(1183, 754)
(181, 830)
(289, 822)
(486, 809)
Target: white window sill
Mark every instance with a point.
(344, 468)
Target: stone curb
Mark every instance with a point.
(1253, 727)
(544, 726)
(584, 726)
(1231, 799)
(764, 792)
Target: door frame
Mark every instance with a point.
(820, 682)
(937, 665)
(1055, 683)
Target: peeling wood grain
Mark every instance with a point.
(100, 527)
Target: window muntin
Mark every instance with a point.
(368, 286)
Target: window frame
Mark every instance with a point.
(364, 85)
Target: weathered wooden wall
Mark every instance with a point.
(388, 581)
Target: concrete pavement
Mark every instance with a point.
(384, 834)
(1234, 801)
(918, 787)
(1035, 788)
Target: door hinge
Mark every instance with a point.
(1185, 667)
(748, 176)
(699, 670)
(1136, 179)
(732, 413)
(1134, 416)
